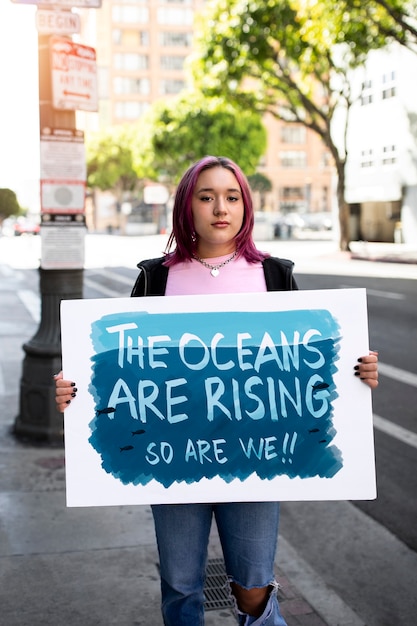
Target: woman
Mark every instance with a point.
(213, 252)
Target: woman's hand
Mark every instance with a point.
(367, 369)
(65, 392)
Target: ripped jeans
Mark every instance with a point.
(248, 534)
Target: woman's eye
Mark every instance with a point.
(205, 198)
(233, 199)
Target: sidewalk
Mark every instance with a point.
(97, 566)
(383, 252)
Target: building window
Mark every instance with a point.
(131, 61)
(293, 158)
(133, 38)
(367, 159)
(172, 62)
(325, 160)
(388, 93)
(366, 95)
(388, 77)
(131, 86)
(388, 81)
(170, 87)
(126, 14)
(389, 155)
(175, 40)
(129, 110)
(293, 134)
(292, 193)
(174, 16)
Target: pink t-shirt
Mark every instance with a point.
(193, 278)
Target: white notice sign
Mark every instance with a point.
(87, 4)
(62, 154)
(53, 22)
(57, 239)
(74, 75)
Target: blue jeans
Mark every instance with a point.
(248, 533)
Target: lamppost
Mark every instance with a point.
(38, 417)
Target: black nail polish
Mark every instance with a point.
(356, 367)
(357, 373)
(360, 360)
(72, 384)
(73, 395)
(68, 402)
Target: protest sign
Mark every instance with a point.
(237, 397)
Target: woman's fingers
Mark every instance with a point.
(65, 391)
(367, 369)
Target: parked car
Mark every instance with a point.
(26, 226)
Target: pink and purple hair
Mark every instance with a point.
(183, 236)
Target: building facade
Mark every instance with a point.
(142, 46)
(381, 169)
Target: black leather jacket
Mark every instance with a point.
(153, 275)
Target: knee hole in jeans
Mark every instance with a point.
(251, 601)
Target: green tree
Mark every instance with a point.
(190, 126)
(261, 183)
(293, 58)
(9, 204)
(110, 161)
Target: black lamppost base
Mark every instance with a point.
(39, 420)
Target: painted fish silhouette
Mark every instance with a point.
(320, 386)
(126, 448)
(314, 430)
(138, 432)
(105, 411)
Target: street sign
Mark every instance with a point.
(74, 75)
(63, 171)
(155, 194)
(85, 4)
(51, 22)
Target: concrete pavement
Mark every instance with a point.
(97, 566)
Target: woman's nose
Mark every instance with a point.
(219, 207)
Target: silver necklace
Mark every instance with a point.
(214, 269)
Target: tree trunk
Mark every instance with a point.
(344, 212)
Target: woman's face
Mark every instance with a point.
(218, 210)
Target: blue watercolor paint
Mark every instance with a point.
(215, 394)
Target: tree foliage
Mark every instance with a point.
(9, 204)
(293, 59)
(260, 182)
(189, 127)
(110, 162)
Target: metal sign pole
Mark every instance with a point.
(38, 418)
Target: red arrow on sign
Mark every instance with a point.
(74, 93)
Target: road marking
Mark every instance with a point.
(393, 430)
(114, 276)
(32, 302)
(392, 295)
(398, 374)
(111, 293)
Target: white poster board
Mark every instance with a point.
(237, 397)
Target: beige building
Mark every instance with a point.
(141, 49)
